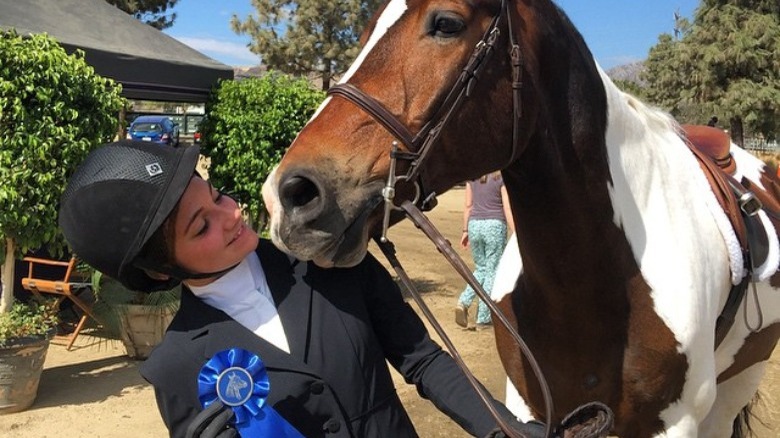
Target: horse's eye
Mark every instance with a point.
(446, 25)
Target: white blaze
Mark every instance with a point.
(392, 13)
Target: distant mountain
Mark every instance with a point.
(249, 72)
(628, 72)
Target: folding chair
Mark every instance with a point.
(64, 289)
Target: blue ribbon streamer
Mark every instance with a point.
(239, 380)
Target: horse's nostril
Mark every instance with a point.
(298, 191)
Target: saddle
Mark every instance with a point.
(741, 200)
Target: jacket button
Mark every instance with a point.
(331, 426)
(316, 388)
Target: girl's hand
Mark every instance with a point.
(464, 239)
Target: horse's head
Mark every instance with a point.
(418, 56)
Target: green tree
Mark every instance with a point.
(249, 126)
(307, 37)
(725, 64)
(670, 80)
(53, 110)
(152, 12)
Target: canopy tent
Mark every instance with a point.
(149, 64)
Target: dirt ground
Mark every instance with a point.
(95, 391)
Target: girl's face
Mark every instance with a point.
(210, 233)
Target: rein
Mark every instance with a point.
(445, 248)
(418, 150)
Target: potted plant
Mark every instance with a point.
(139, 319)
(54, 109)
(25, 332)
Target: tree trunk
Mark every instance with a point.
(7, 277)
(327, 74)
(120, 128)
(736, 131)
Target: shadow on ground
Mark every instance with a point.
(88, 382)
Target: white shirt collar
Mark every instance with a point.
(247, 277)
(244, 295)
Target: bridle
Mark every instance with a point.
(418, 147)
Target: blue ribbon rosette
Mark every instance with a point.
(239, 380)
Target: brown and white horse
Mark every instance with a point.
(627, 257)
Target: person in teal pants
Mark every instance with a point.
(486, 220)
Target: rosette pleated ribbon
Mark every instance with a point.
(239, 380)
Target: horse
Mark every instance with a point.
(625, 258)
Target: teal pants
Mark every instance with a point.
(487, 238)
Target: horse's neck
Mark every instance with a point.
(561, 218)
(577, 194)
(651, 168)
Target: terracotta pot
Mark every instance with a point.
(143, 327)
(21, 365)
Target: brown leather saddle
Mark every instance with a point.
(741, 201)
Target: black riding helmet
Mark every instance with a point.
(116, 200)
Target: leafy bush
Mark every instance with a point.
(54, 109)
(27, 320)
(249, 125)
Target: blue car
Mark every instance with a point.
(159, 129)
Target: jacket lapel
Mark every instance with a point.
(291, 296)
(230, 334)
(220, 332)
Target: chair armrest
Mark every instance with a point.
(47, 261)
(69, 266)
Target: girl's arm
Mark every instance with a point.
(464, 235)
(510, 222)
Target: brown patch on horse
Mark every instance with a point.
(654, 371)
(758, 347)
(637, 376)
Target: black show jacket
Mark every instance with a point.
(342, 326)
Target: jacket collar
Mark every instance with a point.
(293, 302)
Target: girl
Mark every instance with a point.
(141, 214)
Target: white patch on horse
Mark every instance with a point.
(750, 167)
(688, 254)
(390, 15)
(508, 270)
(516, 404)
(731, 396)
(663, 203)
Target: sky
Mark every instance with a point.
(617, 31)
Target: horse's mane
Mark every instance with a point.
(634, 116)
(625, 109)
